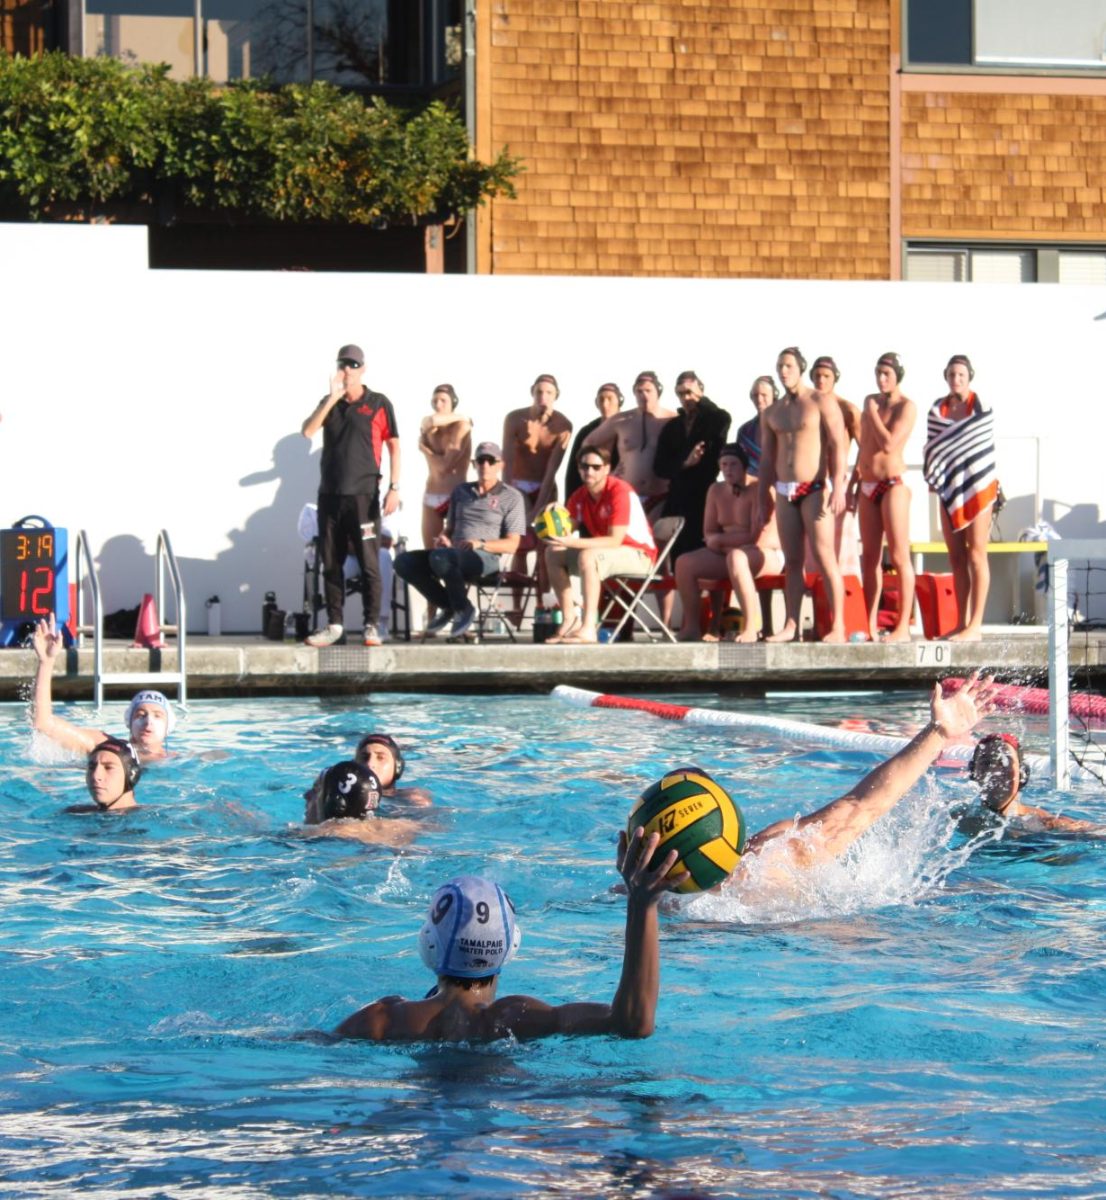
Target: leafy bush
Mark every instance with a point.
(92, 131)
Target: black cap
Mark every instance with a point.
(353, 354)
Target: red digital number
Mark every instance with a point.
(41, 597)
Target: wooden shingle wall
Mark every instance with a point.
(1003, 166)
(687, 138)
(24, 26)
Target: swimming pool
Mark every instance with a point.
(922, 1019)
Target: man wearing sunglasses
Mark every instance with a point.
(486, 519)
(357, 424)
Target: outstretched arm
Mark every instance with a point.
(47, 642)
(843, 821)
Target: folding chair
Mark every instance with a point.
(626, 594)
(492, 590)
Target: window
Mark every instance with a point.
(374, 45)
(930, 263)
(1006, 34)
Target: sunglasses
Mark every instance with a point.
(485, 460)
(348, 363)
(592, 466)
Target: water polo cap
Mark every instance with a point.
(151, 697)
(124, 751)
(826, 360)
(384, 739)
(470, 931)
(349, 790)
(892, 360)
(975, 767)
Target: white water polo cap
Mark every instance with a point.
(151, 697)
(470, 931)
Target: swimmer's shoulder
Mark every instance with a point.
(417, 797)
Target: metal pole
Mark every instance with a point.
(1058, 719)
(197, 38)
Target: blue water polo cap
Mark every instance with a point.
(470, 931)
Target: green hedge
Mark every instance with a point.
(92, 131)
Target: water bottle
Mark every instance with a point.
(543, 624)
(267, 610)
(214, 617)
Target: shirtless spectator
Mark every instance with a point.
(687, 456)
(737, 548)
(825, 374)
(763, 393)
(633, 437)
(795, 429)
(445, 439)
(884, 499)
(534, 442)
(609, 401)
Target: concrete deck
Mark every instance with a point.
(234, 665)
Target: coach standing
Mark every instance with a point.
(357, 424)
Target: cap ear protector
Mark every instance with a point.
(892, 360)
(151, 697)
(826, 360)
(385, 739)
(470, 931)
(975, 765)
(964, 361)
(124, 751)
(771, 383)
(797, 354)
(349, 790)
(611, 387)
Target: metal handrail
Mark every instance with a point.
(163, 556)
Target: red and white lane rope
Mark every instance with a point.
(824, 735)
(1012, 698)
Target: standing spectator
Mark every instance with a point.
(884, 501)
(763, 393)
(825, 375)
(609, 401)
(631, 439)
(687, 456)
(357, 423)
(445, 439)
(619, 542)
(486, 519)
(959, 465)
(795, 430)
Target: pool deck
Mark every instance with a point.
(244, 664)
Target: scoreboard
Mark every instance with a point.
(34, 573)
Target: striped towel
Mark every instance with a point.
(959, 461)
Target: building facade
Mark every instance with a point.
(824, 139)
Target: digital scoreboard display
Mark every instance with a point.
(32, 573)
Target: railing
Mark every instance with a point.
(164, 557)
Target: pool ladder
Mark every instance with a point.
(164, 558)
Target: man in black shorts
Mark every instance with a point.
(357, 424)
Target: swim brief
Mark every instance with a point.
(878, 488)
(528, 487)
(435, 499)
(796, 493)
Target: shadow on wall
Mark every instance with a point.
(265, 555)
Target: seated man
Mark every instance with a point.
(470, 934)
(149, 716)
(345, 805)
(737, 548)
(997, 767)
(486, 519)
(621, 542)
(111, 776)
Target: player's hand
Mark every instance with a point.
(442, 542)
(46, 639)
(391, 502)
(337, 385)
(961, 711)
(634, 857)
(838, 501)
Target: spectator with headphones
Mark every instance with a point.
(1001, 773)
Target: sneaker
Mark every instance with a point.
(462, 621)
(439, 621)
(370, 637)
(325, 636)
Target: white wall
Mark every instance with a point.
(134, 400)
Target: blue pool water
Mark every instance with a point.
(924, 1018)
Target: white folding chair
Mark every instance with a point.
(626, 595)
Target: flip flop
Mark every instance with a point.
(558, 638)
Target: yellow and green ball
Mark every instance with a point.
(553, 522)
(698, 819)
